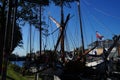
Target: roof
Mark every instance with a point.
(102, 41)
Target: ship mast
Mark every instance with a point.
(61, 29)
(40, 29)
(81, 30)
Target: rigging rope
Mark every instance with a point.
(71, 38)
(33, 39)
(103, 25)
(107, 14)
(66, 40)
(88, 19)
(28, 40)
(77, 38)
(99, 10)
(53, 42)
(37, 42)
(84, 29)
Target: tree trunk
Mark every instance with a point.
(1, 34)
(4, 65)
(7, 41)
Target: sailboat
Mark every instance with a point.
(73, 69)
(77, 69)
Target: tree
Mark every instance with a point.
(23, 14)
(33, 11)
(9, 40)
(31, 14)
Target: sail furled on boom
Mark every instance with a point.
(57, 23)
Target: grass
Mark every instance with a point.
(11, 73)
(14, 75)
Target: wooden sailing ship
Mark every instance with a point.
(74, 69)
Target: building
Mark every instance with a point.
(105, 44)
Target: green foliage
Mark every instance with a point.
(7, 41)
(30, 14)
(40, 2)
(17, 39)
(12, 73)
(65, 2)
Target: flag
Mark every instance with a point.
(57, 24)
(99, 36)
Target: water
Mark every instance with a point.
(19, 63)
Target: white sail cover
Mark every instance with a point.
(57, 23)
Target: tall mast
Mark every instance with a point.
(40, 29)
(81, 30)
(30, 38)
(61, 29)
(40, 38)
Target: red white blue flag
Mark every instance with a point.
(99, 36)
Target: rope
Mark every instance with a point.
(66, 39)
(99, 10)
(33, 40)
(77, 41)
(85, 3)
(71, 38)
(28, 40)
(103, 25)
(105, 13)
(88, 19)
(53, 42)
(84, 30)
(38, 42)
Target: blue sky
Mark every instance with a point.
(97, 15)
